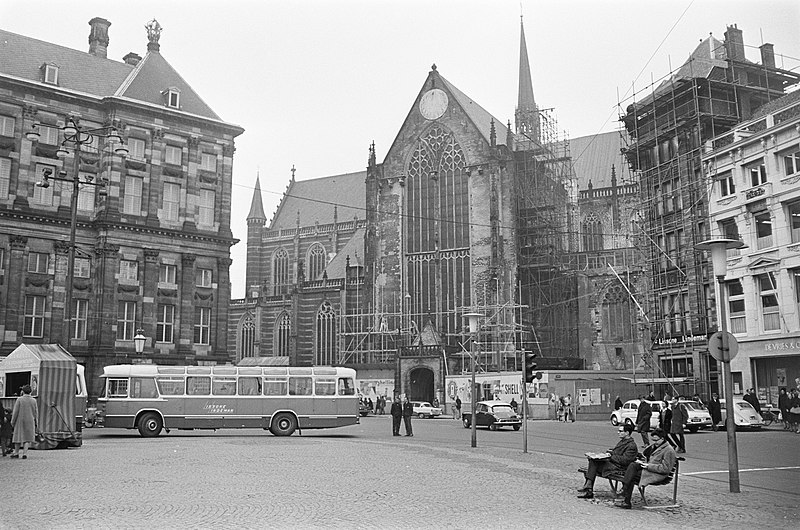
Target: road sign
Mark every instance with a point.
(715, 347)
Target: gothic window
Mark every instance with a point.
(438, 220)
(316, 261)
(247, 336)
(617, 323)
(592, 234)
(280, 272)
(325, 335)
(283, 328)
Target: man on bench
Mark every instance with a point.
(615, 460)
(661, 459)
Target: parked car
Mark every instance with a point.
(744, 415)
(363, 408)
(629, 411)
(493, 414)
(423, 409)
(698, 415)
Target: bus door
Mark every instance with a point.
(347, 401)
(202, 411)
(325, 401)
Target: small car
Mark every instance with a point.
(744, 415)
(493, 414)
(629, 411)
(423, 409)
(698, 415)
(363, 408)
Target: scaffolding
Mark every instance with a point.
(669, 128)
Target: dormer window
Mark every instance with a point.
(172, 98)
(50, 74)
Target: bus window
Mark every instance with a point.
(171, 386)
(118, 388)
(299, 386)
(325, 386)
(198, 386)
(143, 388)
(275, 386)
(346, 387)
(223, 386)
(249, 386)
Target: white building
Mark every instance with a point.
(754, 183)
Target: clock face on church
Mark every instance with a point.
(433, 104)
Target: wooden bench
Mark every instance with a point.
(615, 478)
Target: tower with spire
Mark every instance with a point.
(256, 223)
(527, 113)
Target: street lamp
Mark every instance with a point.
(75, 136)
(473, 332)
(719, 258)
(138, 341)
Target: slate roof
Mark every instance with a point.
(354, 249)
(22, 57)
(316, 199)
(593, 156)
(479, 116)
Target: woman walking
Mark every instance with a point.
(25, 420)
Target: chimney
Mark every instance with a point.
(132, 59)
(767, 55)
(98, 37)
(734, 43)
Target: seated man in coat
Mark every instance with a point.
(661, 459)
(616, 459)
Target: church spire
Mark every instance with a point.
(527, 115)
(256, 206)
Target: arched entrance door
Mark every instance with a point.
(420, 387)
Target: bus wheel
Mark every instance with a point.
(150, 425)
(283, 424)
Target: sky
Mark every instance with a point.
(315, 82)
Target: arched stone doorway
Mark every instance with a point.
(421, 384)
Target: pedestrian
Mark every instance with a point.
(783, 406)
(513, 404)
(408, 411)
(698, 399)
(665, 421)
(25, 420)
(568, 413)
(651, 396)
(715, 410)
(794, 411)
(6, 431)
(397, 415)
(457, 414)
(436, 403)
(561, 410)
(679, 418)
(617, 403)
(643, 416)
(751, 398)
(383, 405)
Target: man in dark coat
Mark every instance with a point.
(783, 405)
(643, 420)
(618, 459)
(397, 415)
(408, 411)
(617, 403)
(751, 398)
(715, 410)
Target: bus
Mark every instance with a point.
(282, 399)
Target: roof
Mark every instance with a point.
(256, 206)
(593, 156)
(319, 200)
(353, 249)
(82, 72)
(479, 116)
(26, 355)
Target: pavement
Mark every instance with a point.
(354, 477)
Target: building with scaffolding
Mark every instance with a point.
(668, 128)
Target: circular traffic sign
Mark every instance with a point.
(715, 347)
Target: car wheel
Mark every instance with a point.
(420, 415)
(614, 420)
(517, 427)
(492, 427)
(150, 425)
(465, 421)
(283, 424)
(629, 421)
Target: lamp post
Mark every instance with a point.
(138, 341)
(719, 258)
(473, 333)
(75, 136)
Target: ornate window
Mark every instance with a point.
(280, 272)
(283, 329)
(247, 336)
(437, 225)
(592, 234)
(316, 261)
(325, 335)
(616, 313)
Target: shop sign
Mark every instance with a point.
(783, 345)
